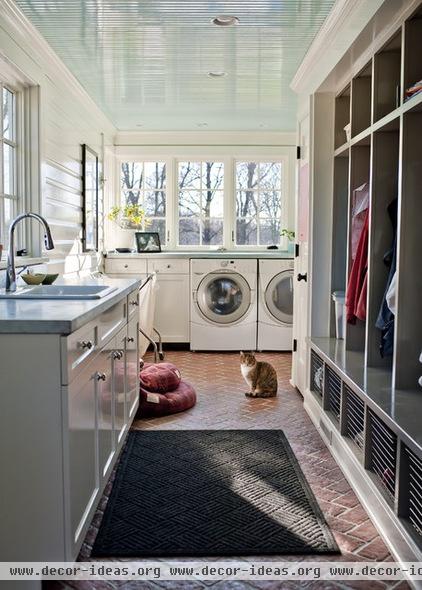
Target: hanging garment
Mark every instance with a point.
(391, 294)
(385, 319)
(359, 209)
(357, 286)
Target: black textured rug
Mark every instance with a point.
(210, 492)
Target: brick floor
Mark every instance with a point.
(222, 405)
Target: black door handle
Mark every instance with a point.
(303, 277)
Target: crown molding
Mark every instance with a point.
(46, 60)
(342, 26)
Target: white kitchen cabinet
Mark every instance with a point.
(171, 317)
(83, 472)
(65, 413)
(132, 368)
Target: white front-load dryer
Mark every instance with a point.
(223, 304)
(275, 307)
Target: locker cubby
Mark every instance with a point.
(342, 117)
(385, 167)
(383, 454)
(339, 249)
(360, 164)
(408, 322)
(317, 374)
(413, 51)
(332, 393)
(387, 70)
(362, 100)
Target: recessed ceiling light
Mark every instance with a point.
(216, 74)
(202, 124)
(225, 20)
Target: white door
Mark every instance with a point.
(301, 284)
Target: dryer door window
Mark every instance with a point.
(279, 297)
(224, 298)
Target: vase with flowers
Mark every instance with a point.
(129, 216)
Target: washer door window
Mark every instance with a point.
(279, 297)
(224, 298)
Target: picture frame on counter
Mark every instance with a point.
(147, 241)
(90, 185)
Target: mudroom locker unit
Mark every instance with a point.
(364, 392)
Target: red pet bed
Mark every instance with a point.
(161, 404)
(162, 391)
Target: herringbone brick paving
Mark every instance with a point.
(221, 404)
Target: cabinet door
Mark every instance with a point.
(105, 403)
(82, 447)
(132, 369)
(172, 308)
(119, 393)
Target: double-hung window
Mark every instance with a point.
(259, 203)
(8, 167)
(201, 203)
(144, 183)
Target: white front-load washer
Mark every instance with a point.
(275, 307)
(223, 304)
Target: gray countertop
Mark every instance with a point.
(60, 317)
(205, 254)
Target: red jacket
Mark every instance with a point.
(357, 286)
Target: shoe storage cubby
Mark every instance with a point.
(413, 500)
(354, 421)
(317, 374)
(332, 394)
(371, 397)
(382, 451)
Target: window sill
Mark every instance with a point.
(21, 261)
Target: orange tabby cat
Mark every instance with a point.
(259, 375)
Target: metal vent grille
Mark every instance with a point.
(333, 392)
(317, 373)
(383, 454)
(415, 490)
(355, 417)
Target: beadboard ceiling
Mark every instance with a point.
(145, 62)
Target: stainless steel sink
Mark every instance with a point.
(59, 292)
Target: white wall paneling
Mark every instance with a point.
(67, 118)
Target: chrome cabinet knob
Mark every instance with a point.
(87, 344)
(101, 376)
(126, 266)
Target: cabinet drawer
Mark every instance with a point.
(133, 303)
(111, 321)
(78, 349)
(125, 265)
(169, 266)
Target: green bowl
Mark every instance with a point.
(35, 279)
(49, 279)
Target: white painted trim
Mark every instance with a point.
(18, 26)
(204, 138)
(344, 23)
